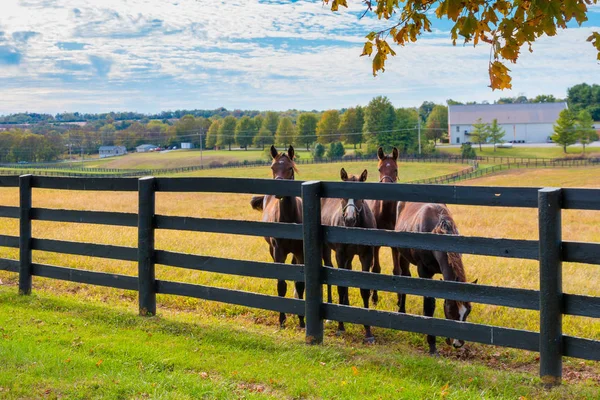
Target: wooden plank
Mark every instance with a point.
(254, 300)
(468, 195)
(230, 185)
(9, 241)
(9, 265)
(145, 246)
(25, 279)
(485, 334)
(235, 227)
(586, 349)
(232, 267)
(89, 277)
(9, 212)
(86, 249)
(501, 296)
(85, 217)
(588, 253)
(581, 199)
(510, 248)
(585, 306)
(9, 181)
(87, 183)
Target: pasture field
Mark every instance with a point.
(472, 221)
(525, 152)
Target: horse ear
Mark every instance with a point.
(291, 152)
(395, 153)
(363, 176)
(344, 174)
(380, 153)
(274, 152)
(475, 281)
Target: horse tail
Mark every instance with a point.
(257, 202)
(446, 226)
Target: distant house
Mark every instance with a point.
(112, 151)
(523, 122)
(187, 146)
(145, 148)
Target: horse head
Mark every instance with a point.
(352, 208)
(388, 166)
(283, 165)
(457, 311)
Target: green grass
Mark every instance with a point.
(55, 347)
(525, 152)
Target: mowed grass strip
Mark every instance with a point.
(472, 221)
(56, 347)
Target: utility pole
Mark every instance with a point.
(419, 132)
(200, 140)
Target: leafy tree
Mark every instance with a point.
(328, 127)
(585, 131)
(263, 137)
(336, 150)
(451, 102)
(495, 133)
(351, 124)
(480, 133)
(405, 128)
(285, 132)
(585, 97)
(271, 121)
(425, 109)
(211, 135)
(380, 118)
(318, 151)
(244, 132)
(437, 123)
(467, 151)
(505, 25)
(226, 136)
(306, 129)
(258, 121)
(564, 130)
(544, 98)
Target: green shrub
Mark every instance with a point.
(318, 151)
(467, 151)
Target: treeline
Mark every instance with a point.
(18, 145)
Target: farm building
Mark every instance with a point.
(527, 122)
(112, 151)
(144, 148)
(187, 146)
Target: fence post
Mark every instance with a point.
(311, 227)
(146, 275)
(25, 234)
(549, 208)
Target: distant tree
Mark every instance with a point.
(226, 136)
(480, 133)
(271, 121)
(467, 151)
(318, 151)
(380, 118)
(585, 131)
(437, 123)
(543, 98)
(107, 135)
(258, 121)
(244, 132)
(336, 150)
(285, 132)
(564, 130)
(306, 129)
(495, 133)
(211, 135)
(263, 137)
(425, 109)
(451, 102)
(505, 100)
(405, 130)
(328, 127)
(585, 97)
(351, 124)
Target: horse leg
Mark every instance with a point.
(428, 311)
(401, 267)
(341, 259)
(366, 258)
(299, 286)
(376, 269)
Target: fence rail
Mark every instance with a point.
(549, 250)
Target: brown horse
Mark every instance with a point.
(385, 211)
(434, 218)
(283, 209)
(356, 214)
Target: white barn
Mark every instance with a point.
(522, 123)
(111, 151)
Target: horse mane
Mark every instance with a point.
(288, 157)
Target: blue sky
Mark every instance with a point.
(153, 55)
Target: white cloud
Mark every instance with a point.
(151, 55)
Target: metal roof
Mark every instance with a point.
(522, 113)
(108, 148)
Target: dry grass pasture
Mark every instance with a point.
(472, 221)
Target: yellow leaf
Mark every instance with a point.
(99, 363)
(355, 370)
(444, 391)
(368, 49)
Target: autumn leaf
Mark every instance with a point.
(99, 363)
(595, 40)
(354, 370)
(368, 49)
(499, 77)
(444, 390)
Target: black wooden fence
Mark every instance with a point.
(549, 250)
